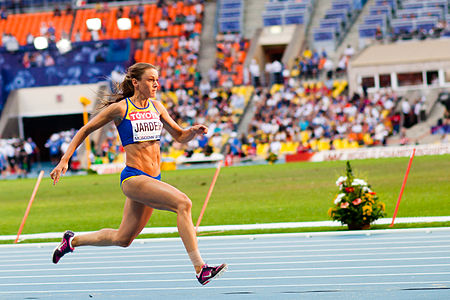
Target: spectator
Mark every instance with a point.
(328, 67)
(37, 60)
(49, 61)
(56, 11)
(349, 51)
(51, 32)
(255, 73)
(140, 13)
(163, 24)
(342, 66)
(3, 13)
(69, 10)
(43, 29)
(26, 60)
(11, 44)
(30, 39)
(94, 35)
(204, 87)
(119, 13)
(277, 69)
(77, 36)
(406, 111)
(269, 71)
(213, 77)
(143, 33)
(5, 38)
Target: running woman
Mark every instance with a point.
(139, 121)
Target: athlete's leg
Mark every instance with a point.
(135, 217)
(161, 195)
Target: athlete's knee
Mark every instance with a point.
(121, 240)
(184, 203)
(124, 241)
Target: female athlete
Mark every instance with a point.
(139, 121)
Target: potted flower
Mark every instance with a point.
(272, 158)
(356, 204)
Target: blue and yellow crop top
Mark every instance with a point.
(140, 124)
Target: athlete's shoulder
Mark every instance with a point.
(159, 106)
(117, 109)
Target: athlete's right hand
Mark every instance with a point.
(59, 170)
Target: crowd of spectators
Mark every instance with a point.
(231, 50)
(292, 105)
(10, 42)
(441, 29)
(312, 118)
(58, 143)
(219, 109)
(442, 126)
(178, 62)
(17, 156)
(177, 56)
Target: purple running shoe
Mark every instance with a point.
(209, 273)
(64, 247)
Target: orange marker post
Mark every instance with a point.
(85, 102)
(208, 195)
(403, 187)
(36, 186)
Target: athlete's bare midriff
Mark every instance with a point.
(145, 156)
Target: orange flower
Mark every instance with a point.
(344, 204)
(357, 201)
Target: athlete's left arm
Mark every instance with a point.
(179, 134)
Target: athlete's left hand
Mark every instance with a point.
(199, 129)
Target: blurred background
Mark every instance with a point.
(274, 81)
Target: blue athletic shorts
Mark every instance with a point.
(130, 172)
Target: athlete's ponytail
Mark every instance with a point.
(125, 89)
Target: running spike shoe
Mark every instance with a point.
(209, 273)
(64, 247)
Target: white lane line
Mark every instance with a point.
(215, 287)
(252, 263)
(229, 279)
(248, 245)
(98, 260)
(159, 230)
(304, 251)
(89, 274)
(38, 248)
(427, 232)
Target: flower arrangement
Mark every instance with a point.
(271, 158)
(356, 204)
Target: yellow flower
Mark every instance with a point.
(330, 211)
(367, 210)
(382, 206)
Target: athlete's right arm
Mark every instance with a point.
(112, 112)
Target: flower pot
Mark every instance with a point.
(353, 226)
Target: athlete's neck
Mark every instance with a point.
(140, 102)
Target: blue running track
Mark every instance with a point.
(377, 264)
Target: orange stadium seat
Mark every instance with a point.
(138, 55)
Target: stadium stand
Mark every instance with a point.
(405, 20)
(310, 117)
(302, 109)
(336, 23)
(287, 12)
(230, 16)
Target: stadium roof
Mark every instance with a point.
(404, 53)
